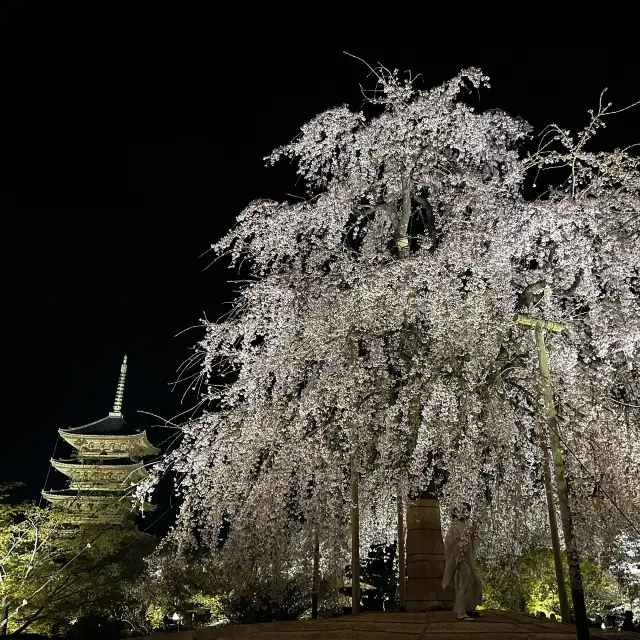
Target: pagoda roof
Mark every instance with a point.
(73, 494)
(111, 445)
(87, 477)
(105, 462)
(113, 425)
(69, 498)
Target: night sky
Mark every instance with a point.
(122, 172)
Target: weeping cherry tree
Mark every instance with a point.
(374, 335)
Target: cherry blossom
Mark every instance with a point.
(377, 319)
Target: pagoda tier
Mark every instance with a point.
(95, 507)
(117, 443)
(106, 464)
(95, 446)
(108, 475)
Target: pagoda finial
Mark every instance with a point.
(117, 405)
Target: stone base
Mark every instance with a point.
(427, 594)
(421, 606)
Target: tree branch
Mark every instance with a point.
(29, 621)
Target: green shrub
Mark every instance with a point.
(261, 600)
(528, 584)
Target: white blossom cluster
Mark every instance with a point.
(378, 321)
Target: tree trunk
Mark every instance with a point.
(277, 569)
(402, 226)
(402, 580)
(4, 615)
(355, 538)
(573, 559)
(553, 525)
(315, 578)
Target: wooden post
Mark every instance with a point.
(553, 525)
(402, 580)
(355, 538)
(277, 566)
(355, 514)
(573, 559)
(315, 577)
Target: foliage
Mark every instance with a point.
(211, 582)
(377, 323)
(528, 584)
(331, 596)
(258, 599)
(27, 559)
(50, 574)
(210, 603)
(96, 628)
(627, 573)
(180, 584)
(155, 614)
(380, 571)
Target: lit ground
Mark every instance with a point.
(438, 625)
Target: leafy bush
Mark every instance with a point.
(262, 600)
(96, 628)
(529, 585)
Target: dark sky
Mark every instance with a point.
(123, 170)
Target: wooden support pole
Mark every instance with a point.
(553, 525)
(573, 559)
(355, 538)
(315, 576)
(402, 579)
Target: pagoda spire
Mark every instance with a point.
(117, 405)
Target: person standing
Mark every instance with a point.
(627, 623)
(609, 621)
(460, 563)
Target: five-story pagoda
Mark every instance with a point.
(106, 463)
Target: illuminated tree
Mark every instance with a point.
(48, 577)
(377, 325)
